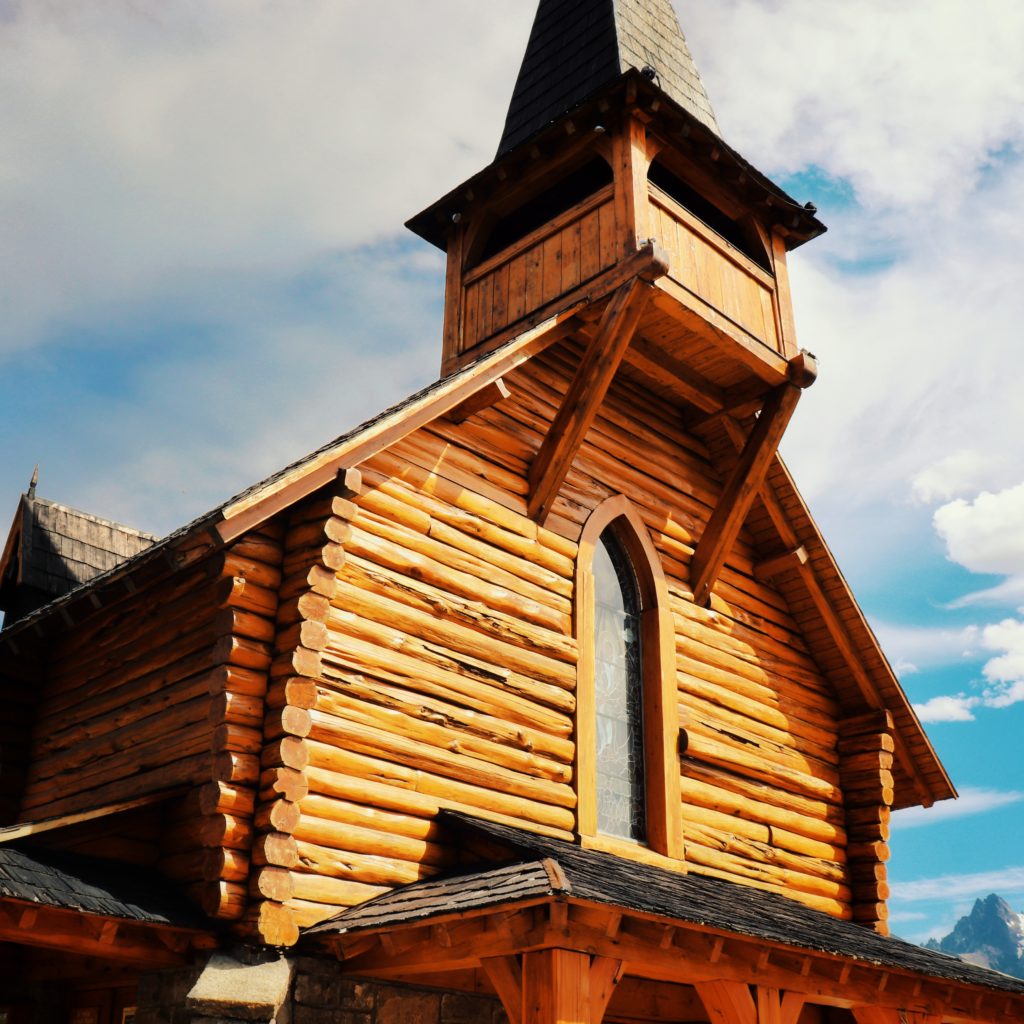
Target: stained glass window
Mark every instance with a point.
(618, 683)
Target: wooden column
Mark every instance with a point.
(555, 986)
(733, 1002)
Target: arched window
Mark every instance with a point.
(618, 694)
(627, 719)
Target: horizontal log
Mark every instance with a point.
(334, 891)
(286, 752)
(309, 578)
(298, 662)
(224, 798)
(286, 721)
(317, 532)
(313, 636)
(232, 766)
(257, 548)
(237, 738)
(382, 652)
(275, 848)
(727, 801)
(452, 636)
(356, 839)
(306, 607)
(271, 883)
(416, 704)
(292, 691)
(233, 679)
(358, 867)
(381, 783)
(237, 709)
(284, 784)
(237, 592)
(275, 924)
(338, 705)
(225, 901)
(257, 571)
(463, 768)
(233, 650)
(278, 816)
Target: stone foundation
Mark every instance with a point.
(298, 990)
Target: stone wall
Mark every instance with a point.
(322, 995)
(299, 990)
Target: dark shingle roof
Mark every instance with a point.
(70, 882)
(579, 46)
(602, 878)
(54, 549)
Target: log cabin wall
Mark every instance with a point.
(447, 660)
(165, 691)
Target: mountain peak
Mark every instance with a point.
(992, 936)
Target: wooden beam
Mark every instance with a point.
(740, 490)
(728, 1002)
(675, 375)
(506, 976)
(32, 828)
(776, 566)
(585, 395)
(489, 395)
(57, 928)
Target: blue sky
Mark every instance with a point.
(203, 275)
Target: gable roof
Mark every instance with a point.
(52, 549)
(577, 47)
(922, 778)
(536, 867)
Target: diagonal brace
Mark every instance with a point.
(740, 489)
(585, 395)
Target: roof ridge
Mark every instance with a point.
(99, 520)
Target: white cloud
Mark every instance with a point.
(141, 140)
(965, 471)
(908, 101)
(985, 535)
(958, 708)
(971, 801)
(917, 648)
(1007, 882)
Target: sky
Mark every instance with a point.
(204, 274)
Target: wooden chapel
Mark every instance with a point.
(539, 697)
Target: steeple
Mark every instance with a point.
(577, 47)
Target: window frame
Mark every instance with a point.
(661, 719)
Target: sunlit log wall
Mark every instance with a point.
(443, 659)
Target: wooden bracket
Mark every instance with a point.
(772, 567)
(740, 490)
(489, 395)
(506, 977)
(727, 1002)
(586, 393)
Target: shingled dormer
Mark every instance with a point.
(51, 549)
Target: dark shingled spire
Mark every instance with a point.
(578, 46)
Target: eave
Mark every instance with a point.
(797, 221)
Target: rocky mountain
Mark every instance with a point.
(991, 935)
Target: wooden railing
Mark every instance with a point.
(547, 263)
(715, 272)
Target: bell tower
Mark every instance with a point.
(615, 211)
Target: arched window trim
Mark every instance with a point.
(661, 716)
